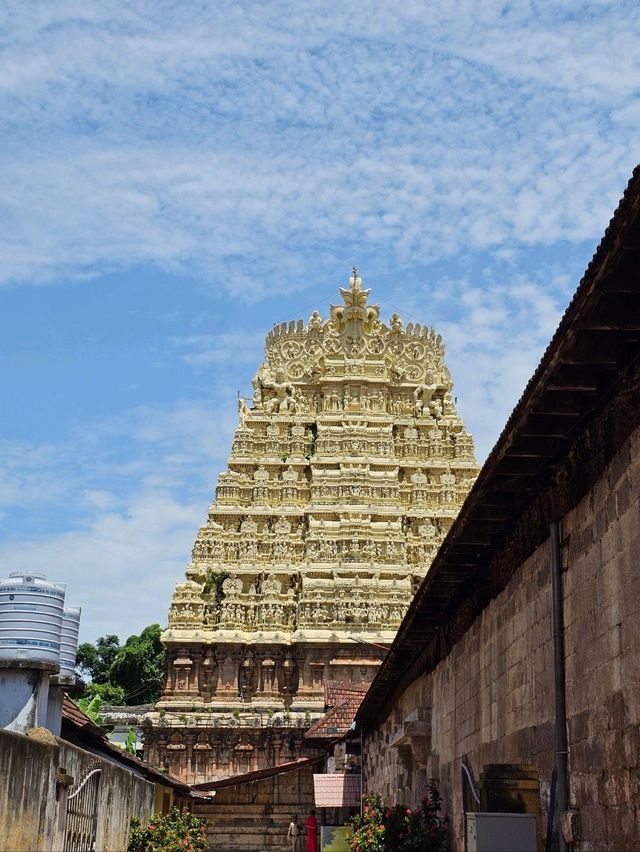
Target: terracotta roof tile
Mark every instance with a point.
(72, 713)
(337, 722)
(74, 716)
(336, 790)
(335, 692)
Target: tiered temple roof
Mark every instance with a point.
(349, 465)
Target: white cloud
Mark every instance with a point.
(205, 350)
(134, 506)
(221, 140)
(260, 149)
(495, 328)
(122, 566)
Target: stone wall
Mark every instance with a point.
(491, 697)
(255, 816)
(197, 755)
(29, 807)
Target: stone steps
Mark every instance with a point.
(249, 838)
(247, 827)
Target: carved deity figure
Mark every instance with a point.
(243, 410)
(395, 323)
(284, 399)
(315, 321)
(448, 481)
(424, 402)
(427, 530)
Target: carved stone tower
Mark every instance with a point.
(347, 469)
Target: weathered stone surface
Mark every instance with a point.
(255, 816)
(32, 812)
(491, 699)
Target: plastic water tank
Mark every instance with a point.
(30, 619)
(69, 641)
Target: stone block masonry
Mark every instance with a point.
(491, 697)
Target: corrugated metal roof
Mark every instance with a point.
(258, 774)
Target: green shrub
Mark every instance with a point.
(177, 830)
(213, 584)
(400, 829)
(109, 694)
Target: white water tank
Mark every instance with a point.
(30, 619)
(69, 641)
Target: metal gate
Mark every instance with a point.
(82, 813)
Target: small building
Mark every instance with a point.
(514, 679)
(337, 792)
(253, 810)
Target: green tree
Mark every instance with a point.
(108, 692)
(139, 667)
(123, 674)
(91, 708)
(96, 660)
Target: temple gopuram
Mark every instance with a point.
(348, 467)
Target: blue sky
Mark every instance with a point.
(176, 177)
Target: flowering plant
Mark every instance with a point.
(400, 829)
(177, 831)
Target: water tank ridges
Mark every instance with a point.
(69, 640)
(30, 619)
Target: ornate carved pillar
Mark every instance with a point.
(208, 675)
(267, 671)
(182, 666)
(202, 758)
(288, 675)
(317, 668)
(228, 680)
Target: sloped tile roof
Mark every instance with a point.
(72, 713)
(337, 721)
(337, 790)
(86, 728)
(335, 692)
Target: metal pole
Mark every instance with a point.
(562, 751)
(361, 769)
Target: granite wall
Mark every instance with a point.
(491, 698)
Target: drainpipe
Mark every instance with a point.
(361, 770)
(562, 751)
(354, 727)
